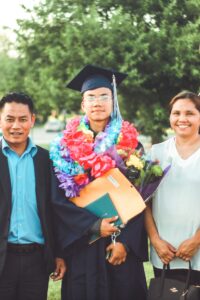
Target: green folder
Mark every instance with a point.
(103, 207)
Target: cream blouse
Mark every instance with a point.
(176, 204)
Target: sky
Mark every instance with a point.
(10, 10)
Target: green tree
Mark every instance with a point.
(8, 67)
(155, 41)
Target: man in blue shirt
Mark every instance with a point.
(26, 234)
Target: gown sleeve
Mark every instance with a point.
(134, 237)
(71, 222)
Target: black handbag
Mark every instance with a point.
(163, 288)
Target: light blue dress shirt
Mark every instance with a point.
(25, 226)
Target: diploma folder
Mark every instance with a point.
(103, 207)
(125, 198)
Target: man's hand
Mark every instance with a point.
(60, 269)
(107, 226)
(165, 250)
(118, 253)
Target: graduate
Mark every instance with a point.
(109, 268)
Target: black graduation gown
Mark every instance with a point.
(89, 276)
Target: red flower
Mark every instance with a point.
(102, 164)
(73, 138)
(128, 137)
(81, 179)
(87, 161)
(78, 144)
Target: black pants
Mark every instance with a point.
(180, 274)
(24, 277)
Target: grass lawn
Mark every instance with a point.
(54, 288)
(148, 271)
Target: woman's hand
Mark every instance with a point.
(107, 226)
(118, 253)
(188, 248)
(165, 250)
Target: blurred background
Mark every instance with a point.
(44, 43)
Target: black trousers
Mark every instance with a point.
(180, 274)
(24, 277)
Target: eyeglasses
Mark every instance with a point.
(102, 98)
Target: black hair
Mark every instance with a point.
(17, 97)
(186, 95)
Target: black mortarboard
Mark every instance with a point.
(93, 77)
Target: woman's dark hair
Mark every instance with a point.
(17, 97)
(194, 98)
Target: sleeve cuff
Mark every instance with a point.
(95, 228)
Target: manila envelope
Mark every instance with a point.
(126, 199)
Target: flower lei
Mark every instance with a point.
(79, 158)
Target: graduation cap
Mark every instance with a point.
(92, 77)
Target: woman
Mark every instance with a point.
(173, 218)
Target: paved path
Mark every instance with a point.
(41, 137)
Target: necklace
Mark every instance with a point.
(79, 158)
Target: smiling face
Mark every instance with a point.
(185, 118)
(16, 121)
(97, 104)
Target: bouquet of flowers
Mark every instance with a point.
(144, 174)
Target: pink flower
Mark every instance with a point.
(72, 125)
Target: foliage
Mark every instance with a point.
(8, 67)
(155, 41)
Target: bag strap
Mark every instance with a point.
(162, 279)
(187, 283)
(163, 275)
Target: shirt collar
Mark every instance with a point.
(31, 148)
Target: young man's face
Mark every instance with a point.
(16, 121)
(98, 104)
